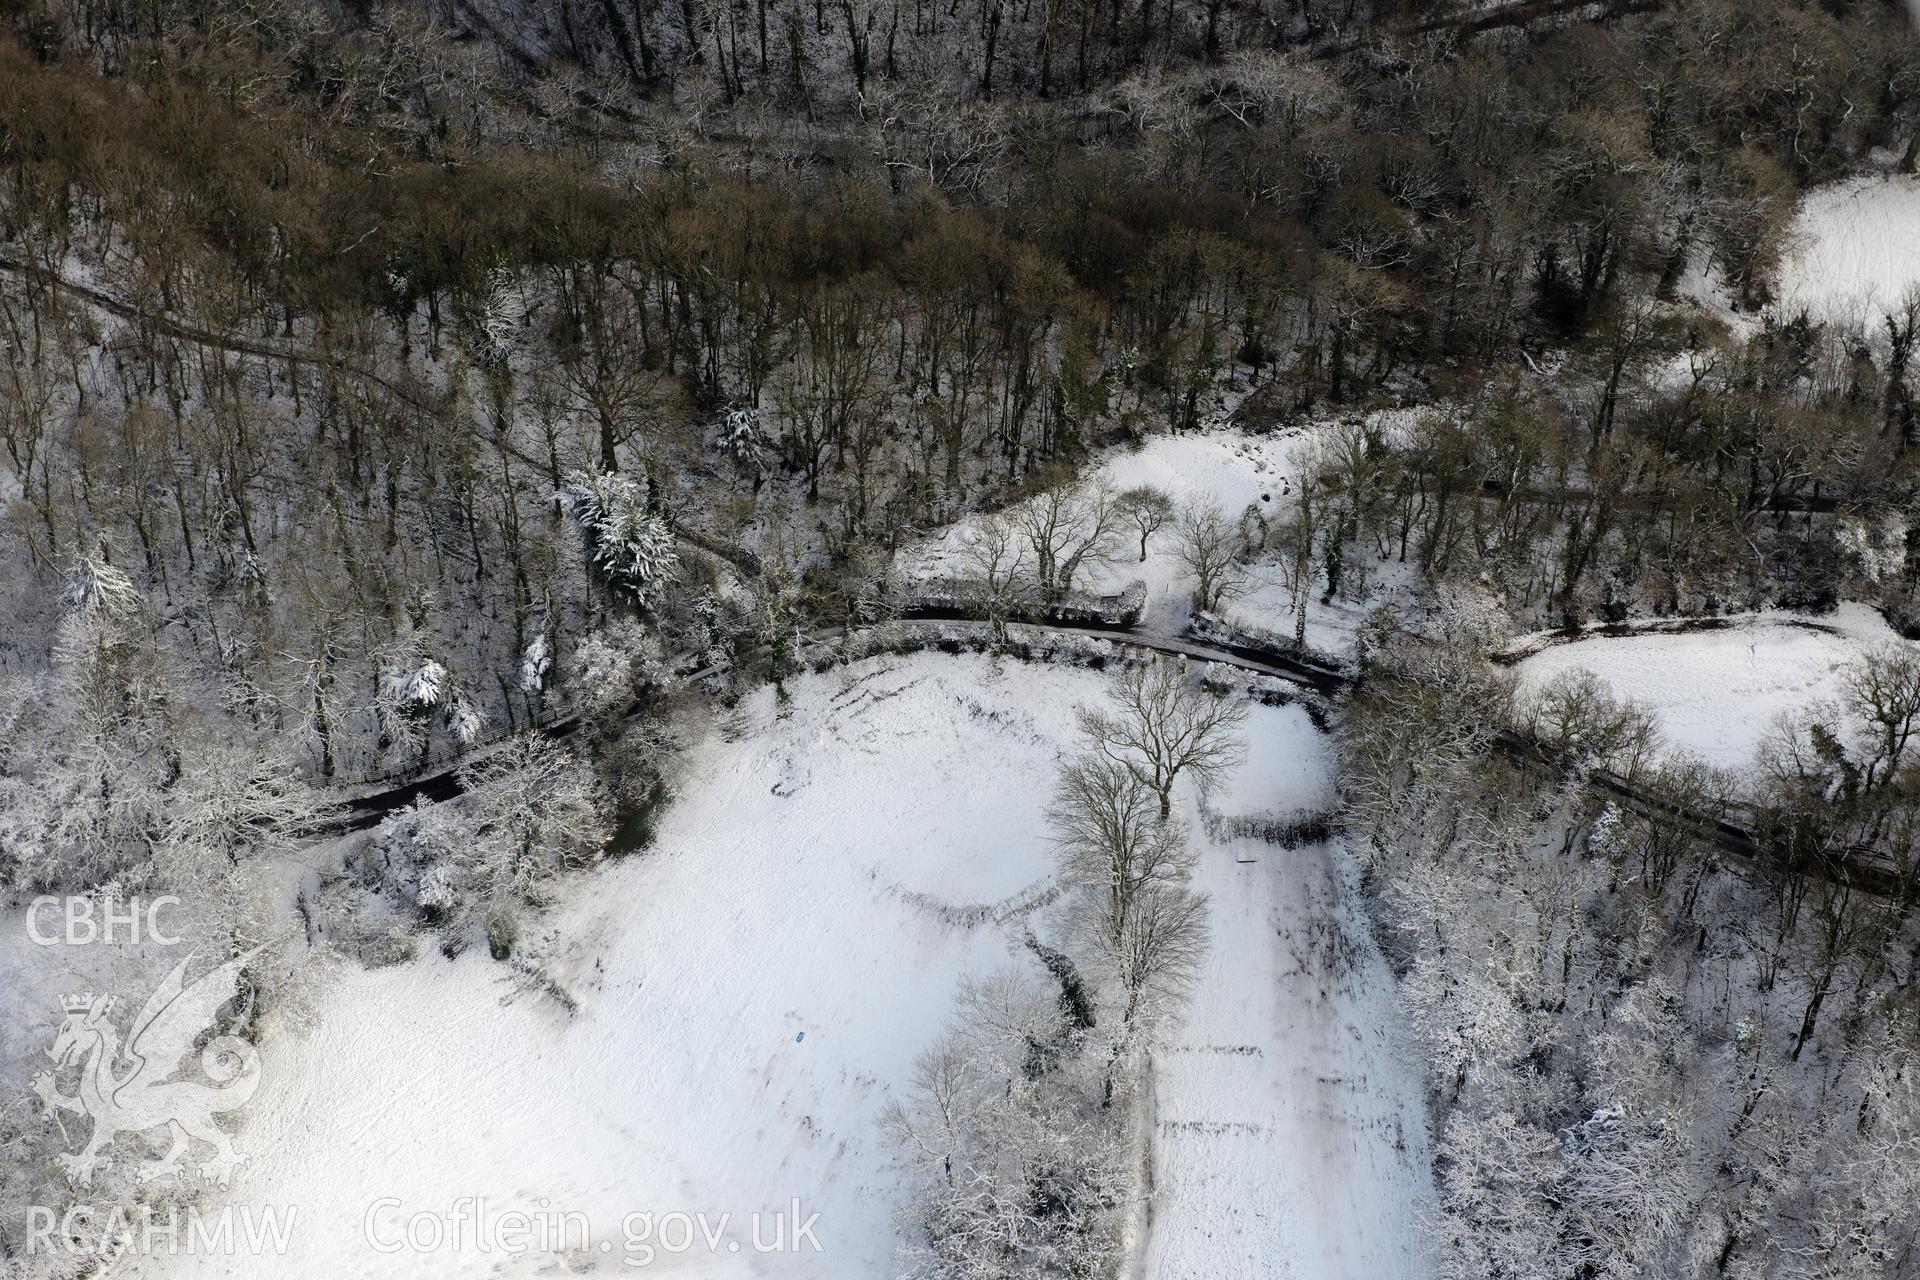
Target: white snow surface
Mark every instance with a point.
(1716, 693)
(1289, 1140)
(754, 988)
(1854, 249)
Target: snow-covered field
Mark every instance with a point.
(1854, 249)
(753, 989)
(1716, 693)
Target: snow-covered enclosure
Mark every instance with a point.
(1289, 1139)
(959, 598)
(742, 1001)
(1854, 249)
(1715, 693)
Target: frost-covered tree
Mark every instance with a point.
(744, 441)
(628, 538)
(1499, 1178)
(1113, 842)
(537, 812)
(414, 689)
(536, 663)
(531, 811)
(1632, 1174)
(1865, 1189)
(1207, 543)
(1068, 529)
(1148, 509)
(614, 666)
(997, 570)
(98, 592)
(89, 753)
(1018, 1170)
(230, 798)
(494, 315)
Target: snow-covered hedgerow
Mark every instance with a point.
(1025, 643)
(965, 598)
(1211, 628)
(1289, 829)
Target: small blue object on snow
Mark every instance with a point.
(802, 1036)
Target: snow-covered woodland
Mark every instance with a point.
(1086, 639)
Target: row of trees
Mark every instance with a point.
(1035, 551)
(1021, 1127)
(1726, 474)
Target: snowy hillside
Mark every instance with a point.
(1854, 249)
(1251, 480)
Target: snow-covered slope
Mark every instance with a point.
(1224, 467)
(753, 989)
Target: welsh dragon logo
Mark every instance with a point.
(140, 1085)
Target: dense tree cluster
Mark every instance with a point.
(1645, 1056)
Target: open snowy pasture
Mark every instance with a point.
(752, 991)
(1854, 249)
(1715, 693)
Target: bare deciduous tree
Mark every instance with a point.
(1157, 953)
(1208, 546)
(1068, 530)
(1113, 840)
(1296, 537)
(1167, 725)
(997, 563)
(1883, 689)
(1148, 508)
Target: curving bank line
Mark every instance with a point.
(443, 782)
(1860, 868)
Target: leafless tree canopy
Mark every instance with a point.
(1163, 725)
(1209, 546)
